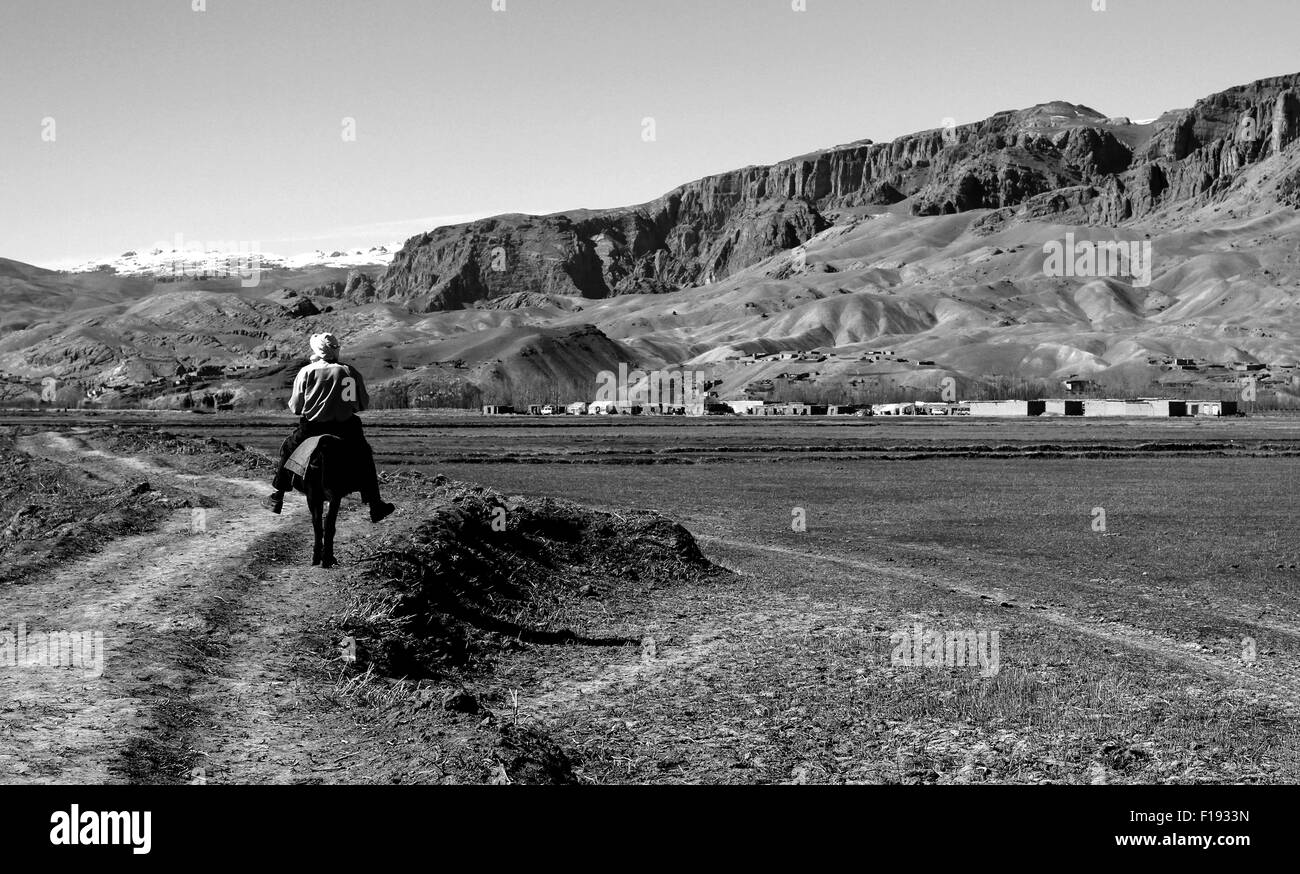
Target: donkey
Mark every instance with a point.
(325, 481)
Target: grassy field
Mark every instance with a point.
(1142, 578)
(1109, 639)
(1123, 646)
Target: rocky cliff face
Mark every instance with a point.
(1198, 154)
(700, 232)
(1055, 161)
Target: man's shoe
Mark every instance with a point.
(275, 502)
(379, 511)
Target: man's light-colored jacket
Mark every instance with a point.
(327, 391)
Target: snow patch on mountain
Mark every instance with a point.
(230, 259)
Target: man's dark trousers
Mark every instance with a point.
(363, 459)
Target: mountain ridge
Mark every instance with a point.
(1085, 167)
(850, 273)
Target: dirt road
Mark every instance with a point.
(211, 671)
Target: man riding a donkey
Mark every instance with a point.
(327, 395)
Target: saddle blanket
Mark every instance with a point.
(297, 463)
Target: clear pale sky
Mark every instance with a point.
(227, 124)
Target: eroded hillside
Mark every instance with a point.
(846, 275)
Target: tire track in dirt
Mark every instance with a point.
(77, 447)
(1241, 612)
(1281, 681)
(204, 647)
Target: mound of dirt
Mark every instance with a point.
(486, 572)
(210, 454)
(50, 513)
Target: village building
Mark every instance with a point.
(1212, 408)
(1102, 408)
(1062, 407)
(1007, 409)
(747, 407)
(1166, 408)
(786, 410)
(613, 408)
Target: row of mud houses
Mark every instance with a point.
(1153, 408)
(1157, 408)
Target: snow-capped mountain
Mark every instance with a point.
(223, 259)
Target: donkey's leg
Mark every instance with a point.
(331, 517)
(316, 505)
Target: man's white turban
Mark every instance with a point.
(325, 346)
